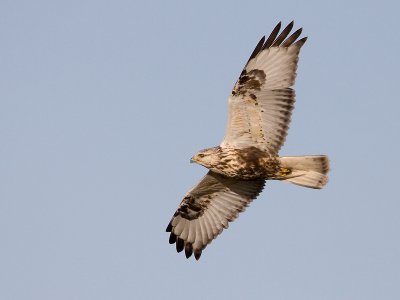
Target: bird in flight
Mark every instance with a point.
(260, 108)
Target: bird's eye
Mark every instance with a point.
(201, 155)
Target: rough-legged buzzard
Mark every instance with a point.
(260, 108)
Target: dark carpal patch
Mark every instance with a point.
(191, 209)
(249, 82)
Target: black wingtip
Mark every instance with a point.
(277, 27)
(291, 39)
(180, 244)
(169, 227)
(197, 254)
(258, 48)
(290, 25)
(285, 32)
(277, 39)
(172, 238)
(301, 42)
(188, 250)
(273, 35)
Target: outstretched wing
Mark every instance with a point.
(206, 210)
(261, 103)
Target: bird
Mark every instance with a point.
(259, 113)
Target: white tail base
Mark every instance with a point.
(308, 171)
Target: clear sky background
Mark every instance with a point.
(102, 103)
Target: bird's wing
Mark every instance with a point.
(206, 210)
(262, 100)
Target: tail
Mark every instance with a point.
(309, 171)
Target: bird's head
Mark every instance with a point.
(207, 157)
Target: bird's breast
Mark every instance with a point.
(247, 164)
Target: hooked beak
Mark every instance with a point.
(192, 161)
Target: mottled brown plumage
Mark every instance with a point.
(246, 164)
(260, 108)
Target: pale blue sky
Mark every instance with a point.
(102, 103)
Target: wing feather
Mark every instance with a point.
(207, 209)
(185, 232)
(292, 38)
(192, 233)
(285, 32)
(272, 36)
(262, 100)
(204, 235)
(209, 226)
